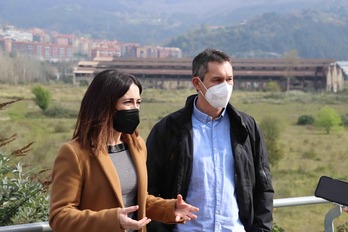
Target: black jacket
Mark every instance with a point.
(169, 164)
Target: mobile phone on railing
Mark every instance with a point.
(333, 190)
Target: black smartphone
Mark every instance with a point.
(333, 190)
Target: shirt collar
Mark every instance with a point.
(203, 117)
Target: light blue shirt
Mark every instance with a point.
(212, 187)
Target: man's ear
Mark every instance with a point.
(196, 83)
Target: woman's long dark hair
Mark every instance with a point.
(94, 123)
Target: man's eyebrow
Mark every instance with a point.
(217, 77)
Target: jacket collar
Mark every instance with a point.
(238, 125)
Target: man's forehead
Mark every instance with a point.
(217, 65)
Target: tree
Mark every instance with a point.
(291, 61)
(24, 69)
(271, 130)
(42, 97)
(329, 119)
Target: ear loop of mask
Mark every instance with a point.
(204, 87)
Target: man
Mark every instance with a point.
(212, 154)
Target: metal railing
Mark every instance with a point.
(311, 200)
(277, 203)
(31, 227)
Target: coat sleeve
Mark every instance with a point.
(161, 210)
(155, 144)
(66, 190)
(154, 162)
(263, 193)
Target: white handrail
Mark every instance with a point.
(31, 227)
(297, 201)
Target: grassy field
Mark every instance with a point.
(308, 152)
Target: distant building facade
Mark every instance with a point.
(55, 47)
(249, 74)
(36, 43)
(42, 51)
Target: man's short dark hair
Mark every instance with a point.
(201, 61)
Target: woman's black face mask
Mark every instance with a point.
(126, 121)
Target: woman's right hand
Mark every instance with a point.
(128, 223)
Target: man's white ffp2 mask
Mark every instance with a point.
(219, 95)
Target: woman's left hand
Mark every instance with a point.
(183, 211)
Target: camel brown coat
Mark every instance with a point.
(86, 195)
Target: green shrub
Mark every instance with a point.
(42, 97)
(277, 228)
(271, 130)
(328, 119)
(60, 128)
(343, 227)
(272, 86)
(24, 198)
(305, 120)
(344, 118)
(83, 83)
(310, 154)
(59, 112)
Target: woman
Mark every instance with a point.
(99, 178)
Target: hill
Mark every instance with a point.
(260, 28)
(313, 33)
